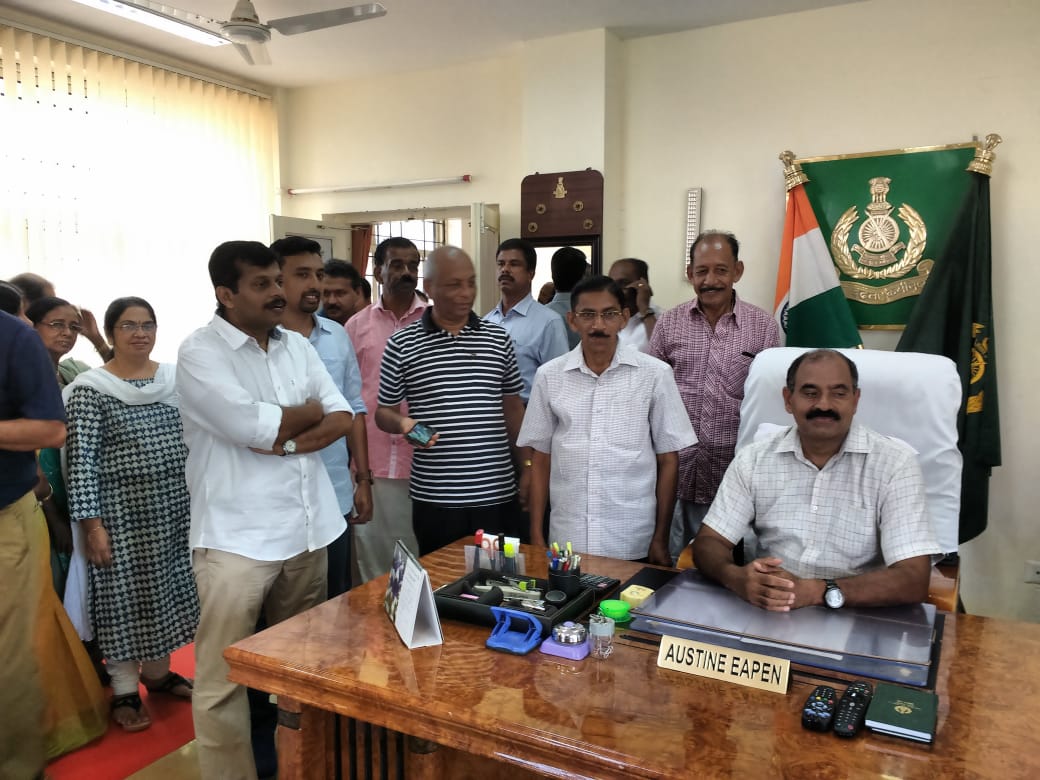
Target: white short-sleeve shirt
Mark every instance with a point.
(603, 434)
(864, 510)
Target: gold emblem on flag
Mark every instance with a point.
(979, 350)
(876, 254)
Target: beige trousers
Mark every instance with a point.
(391, 520)
(232, 590)
(21, 583)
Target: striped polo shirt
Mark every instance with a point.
(455, 384)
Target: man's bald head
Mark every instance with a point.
(443, 257)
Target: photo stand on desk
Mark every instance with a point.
(409, 601)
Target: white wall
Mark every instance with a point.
(418, 125)
(714, 108)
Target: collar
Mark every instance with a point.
(522, 307)
(430, 326)
(324, 324)
(561, 297)
(236, 337)
(417, 304)
(623, 355)
(856, 440)
(737, 311)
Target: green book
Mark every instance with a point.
(903, 712)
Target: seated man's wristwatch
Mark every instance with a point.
(832, 596)
(289, 447)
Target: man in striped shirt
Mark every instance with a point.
(459, 376)
(710, 342)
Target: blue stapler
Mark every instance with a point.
(514, 632)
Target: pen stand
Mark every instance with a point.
(514, 632)
(494, 562)
(567, 581)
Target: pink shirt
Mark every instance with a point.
(710, 369)
(389, 455)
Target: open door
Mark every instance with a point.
(335, 241)
(485, 237)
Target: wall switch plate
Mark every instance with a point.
(1032, 571)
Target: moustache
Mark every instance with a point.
(504, 277)
(814, 413)
(405, 280)
(599, 335)
(711, 289)
(276, 303)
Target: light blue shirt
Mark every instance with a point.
(333, 346)
(538, 335)
(561, 304)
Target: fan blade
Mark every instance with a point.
(293, 25)
(254, 53)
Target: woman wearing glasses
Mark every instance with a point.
(129, 499)
(59, 323)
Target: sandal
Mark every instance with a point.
(170, 683)
(139, 720)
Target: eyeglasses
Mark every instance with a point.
(133, 327)
(590, 316)
(72, 327)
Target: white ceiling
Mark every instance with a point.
(414, 34)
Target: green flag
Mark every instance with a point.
(884, 216)
(954, 317)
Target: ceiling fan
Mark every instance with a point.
(243, 27)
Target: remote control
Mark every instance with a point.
(852, 709)
(819, 709)
(598, 583)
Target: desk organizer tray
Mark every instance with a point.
(452, 606)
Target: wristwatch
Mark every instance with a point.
(289, 447)
(832, 596)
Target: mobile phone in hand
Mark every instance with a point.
(420, 434)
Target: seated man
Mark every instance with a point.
(838, 509)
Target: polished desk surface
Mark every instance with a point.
(625, 717)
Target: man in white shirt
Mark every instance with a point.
(605, 423)
(257, 406)
(838, 509)
(633, 277)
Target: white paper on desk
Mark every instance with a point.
(409, 601)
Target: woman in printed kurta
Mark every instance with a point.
(127, 491)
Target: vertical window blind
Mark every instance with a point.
(119, 178)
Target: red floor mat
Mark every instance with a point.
(118, 754)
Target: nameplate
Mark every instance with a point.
(724, 663)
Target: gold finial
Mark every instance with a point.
(984, 155)
(793, 173)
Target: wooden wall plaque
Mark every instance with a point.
(567, 203)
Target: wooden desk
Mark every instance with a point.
(618, 718)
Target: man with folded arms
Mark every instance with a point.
(838, 509)
(257, 406)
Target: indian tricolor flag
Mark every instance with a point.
(810, 305)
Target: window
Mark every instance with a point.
(426, 234)
(120, 177)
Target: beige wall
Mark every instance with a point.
(713, 108)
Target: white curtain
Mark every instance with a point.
(119, 178)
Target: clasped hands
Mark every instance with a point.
(766, 584)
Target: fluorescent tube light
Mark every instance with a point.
(143, 13)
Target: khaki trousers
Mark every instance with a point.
(22, 529)
(391, 520)
(232, 591)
